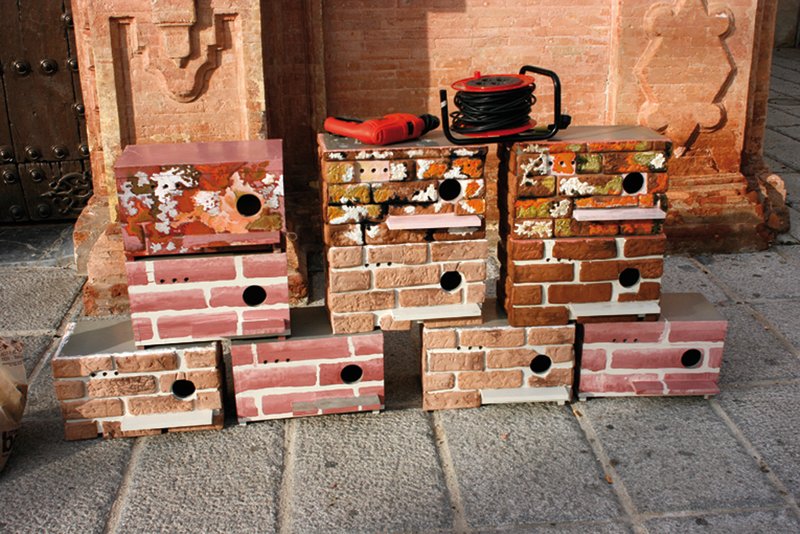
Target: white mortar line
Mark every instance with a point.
(448, 469)
(284, 508)
(613, 478)
(117, 507)
(753, 452)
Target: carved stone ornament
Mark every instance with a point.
(685, 70)
(183, 54)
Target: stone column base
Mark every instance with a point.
(723, 213)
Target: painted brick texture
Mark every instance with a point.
(463, 366)
(99, 393)
(578, 235)
(208, 297)
(308, 376)
(426, 190)
(368, 284)
(542, 280)
(666, 357)
(200, 197)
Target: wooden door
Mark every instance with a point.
(44, 165)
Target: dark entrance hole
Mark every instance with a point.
(633, 183)
(541, 363)
(183, 389)
(351, 374)
(449, 189)
(691, 358)
(629, 277)
(254, 295)
(451, 280)
(248, 205)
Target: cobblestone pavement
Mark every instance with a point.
(728, 464)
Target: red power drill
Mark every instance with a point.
(393, 128)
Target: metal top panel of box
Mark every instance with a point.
(101, 336)
(599, 139)
(112, 335)
(586, 134)
(431, 140)
(201, 153)
(688, 307)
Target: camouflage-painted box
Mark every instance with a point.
(589, 181)
(200, 197)
(423, 190)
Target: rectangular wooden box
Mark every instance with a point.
(208, 297)
(200, 197)
(107, 386)
(315, 372)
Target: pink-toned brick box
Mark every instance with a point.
(108, 387)
(200, 197)
(208, 297)
(680, 354)
(467, 366)
(404, 231)
(581, 221)
(315, 372)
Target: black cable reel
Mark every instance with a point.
(496, 108)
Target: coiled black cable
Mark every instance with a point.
(491, 111)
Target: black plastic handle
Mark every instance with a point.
(560, 121)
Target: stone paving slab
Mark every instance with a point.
(579, 527)
(768, 417)
(45, 245)
(778, 167)
(54, 485)
(785, 316)
(773, 521)
(756, 276)
(368, 473)
(781, 84)
(42, 402)
(752, 352)
(782, 148)
(792, 182)
(791, 252)
(777, 118)
(526, 464)
(207, 481)
(782, 72)
(675, 454)
(35, 298)
(791, 131)
(682, 275)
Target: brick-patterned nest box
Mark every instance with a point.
(106, 386)
(581, 220)
(200, 197)
(312, 373)
(207, 297)
(467, 366)
(424, 190)
(680, 354)
(404, 231)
